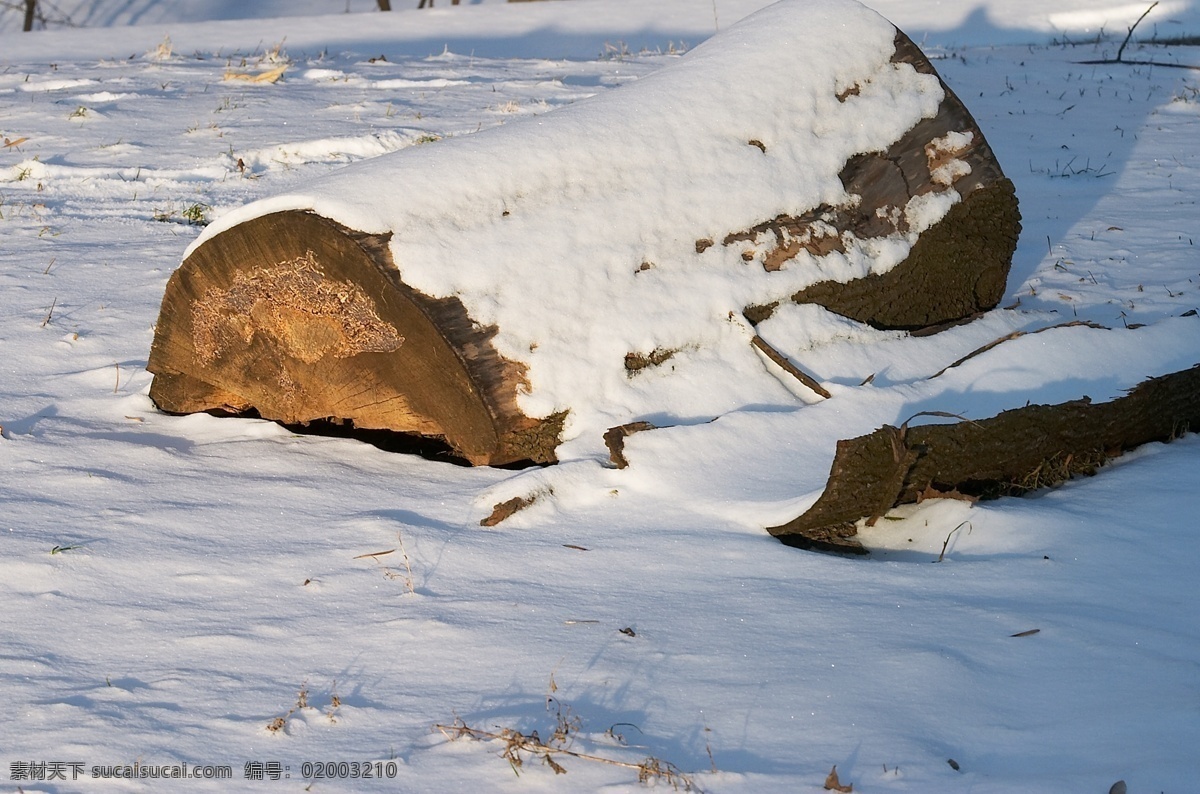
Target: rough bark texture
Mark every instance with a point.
(299, 319)
(1012, 453)
(956, 269)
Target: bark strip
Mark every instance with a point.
(1010, 454)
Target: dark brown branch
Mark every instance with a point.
(789, 367)
(1129, 35)
(1014, 335)
(1121, 50)
(1012, 453)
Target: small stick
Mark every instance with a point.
(789, 367)
(407, 564)
(947, 543)
(1129, 35)
(50, 313)
(118, 384)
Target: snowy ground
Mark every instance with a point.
(170, 584)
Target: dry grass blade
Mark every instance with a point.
(374, 554)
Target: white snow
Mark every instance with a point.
(205, 570)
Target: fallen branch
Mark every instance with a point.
(1161, 64)
(1015, 452)
(1129, 35)
(788, 367)
(1015, 335)
(1125, 43)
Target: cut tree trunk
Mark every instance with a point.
(957, 269)
(316, 325)
(296, 316)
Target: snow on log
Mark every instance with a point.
(1012, 453)
(518, 291)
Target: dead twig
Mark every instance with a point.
(942, 556)
(1016, 335)
(1129, 35)
(788, 367)
(1121, 50)
(50, 313)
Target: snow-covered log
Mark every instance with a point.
(518, 291)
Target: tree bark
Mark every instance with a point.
(1012, 453)
(385, 5)
(30, 12)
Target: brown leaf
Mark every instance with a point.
(833, 784)
(933, 493)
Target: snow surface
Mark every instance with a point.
(207, 569)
